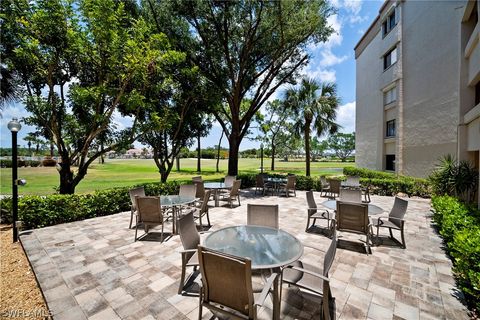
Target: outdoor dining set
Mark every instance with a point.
(237, 267)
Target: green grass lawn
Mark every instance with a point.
(118, 173)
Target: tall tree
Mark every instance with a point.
(273, 123)
(79, 62)
(343, 144)
(248, 49)
(315, 105)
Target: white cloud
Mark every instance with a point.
(121, 122)
(346, 117)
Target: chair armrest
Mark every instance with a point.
(380, 219)
(315, 274)
(266, 289)
(188, 251)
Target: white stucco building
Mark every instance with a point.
(418, 86)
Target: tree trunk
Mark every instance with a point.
(51, 150)
(102, 159)
(199, 153)
(177, 161)
(233, 154)
(218, 151)
(307, 148)
(272, 167)
(67, 185)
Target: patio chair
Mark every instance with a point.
(197, 179)
(289, 186)
(318, 283)
(229, 180)
(149, 214)
(233, 194)
(190, 240)
(314, 213)
(227, 285)
(350, 195)
(353, 181)
(203, 210)
(325, 186)
(188, 190)
(260, 182)
(262, 215)
(200, 192)
(395, 220)
(334, 188)
(353, 217)
(366, 193)
(140, 191)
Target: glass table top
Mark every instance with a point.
(175, 200)
(275, 180)
(215, 185)
(266, 247)
(372, 209)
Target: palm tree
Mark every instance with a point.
(315, 107)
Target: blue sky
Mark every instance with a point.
(331, 61)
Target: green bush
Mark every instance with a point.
(388, 184)
(459, 225)
(4, 163)
(42, 211)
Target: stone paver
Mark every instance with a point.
(93, 269)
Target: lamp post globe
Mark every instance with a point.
(14, 126)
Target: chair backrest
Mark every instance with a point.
(149, 209)
(260, 179)
(312, 205)
(352, 217)
(323, 181)
(188, 232)
(200, 193)
(335, 186)
(206, 197)
(188, 190)
(229, 180)
(349, 195)
(235, 188)
(140, 191)
(262, 215)
(353, 180)
(398, 211)
(197, 179)
(331, 251)
(291, 179)
(227, 281)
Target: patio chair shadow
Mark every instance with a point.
(155, 236)
(323, 231)
(301, 304)
(386, 241)
(353, 245)
(192, 286)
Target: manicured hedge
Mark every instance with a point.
(42, 211)
(7, 163)
(388, 184)
(459, 225)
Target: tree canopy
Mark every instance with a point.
(248, 49)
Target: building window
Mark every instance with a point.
(390, 58)
(389, 23)
(390, 129)
(390, 95)
(390, 162)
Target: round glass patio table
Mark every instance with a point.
(276, 182)
(175, 202)
(267, 248)
(215, 186)
(372, 209)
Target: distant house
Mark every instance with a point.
(133, 153)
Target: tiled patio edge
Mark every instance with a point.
(60, 302)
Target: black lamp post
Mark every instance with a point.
(261, 157)
(14, 126)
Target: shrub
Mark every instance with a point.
(32, 163)
(455, 178)
(4, 163)
(388, 184)
(42, 211)
(458, 224)
(49, 162)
